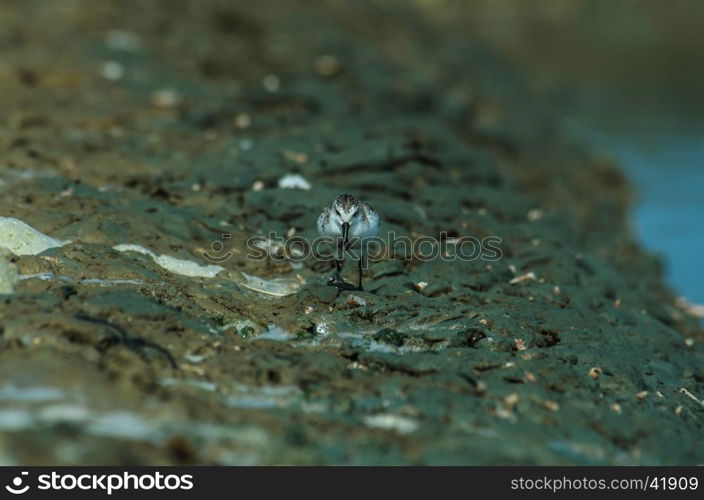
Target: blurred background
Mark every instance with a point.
(629, 76)
(169, 123)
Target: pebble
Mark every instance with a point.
(271, 83)
(355, 301)
(243, 121)
(123, 40)
(166, 98)
(112, 70)
(327, 65)
(594, 372)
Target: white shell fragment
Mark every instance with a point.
(402, 425)
(177, 266)
(279, 287)
(22, 239)
(523, 277)
(294, 181)
(275, 332)
(355, 301)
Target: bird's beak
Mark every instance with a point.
(345, 231)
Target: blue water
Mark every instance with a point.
(668, 218)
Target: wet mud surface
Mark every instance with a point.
(130, 124)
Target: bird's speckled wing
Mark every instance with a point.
(324, 220)
(370, 220)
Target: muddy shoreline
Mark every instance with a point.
(122, 125)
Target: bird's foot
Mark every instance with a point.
(341, 284)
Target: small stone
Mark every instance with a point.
(511, 400)
(243, 121)
(123, 40)
(535, 214)
(295, 156)
(112, 70)
(594, 372)
(246, 144)
(551, 405)
(355, 301)
(389, 336)
(166, 98)
(271, 83)
(327, 65)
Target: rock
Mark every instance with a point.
(8, 274)
(22, 239)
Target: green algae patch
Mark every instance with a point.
(561, 346)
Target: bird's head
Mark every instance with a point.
(346, 211)
(346, 208)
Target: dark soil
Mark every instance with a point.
(168, 124)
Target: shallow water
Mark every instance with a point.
(667, 171)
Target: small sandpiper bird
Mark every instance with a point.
(350, 222)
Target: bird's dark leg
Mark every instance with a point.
(338, 270)
(359, 270)
(336, 279)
